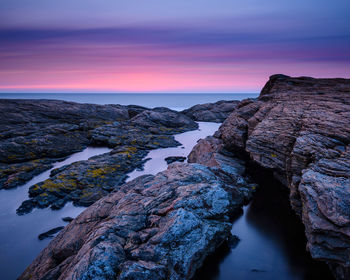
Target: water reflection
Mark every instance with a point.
(272, 244)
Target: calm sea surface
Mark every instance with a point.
(173, 101)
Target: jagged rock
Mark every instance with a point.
(174, 159)
(300, 129)
(154, 227)
(211, 112)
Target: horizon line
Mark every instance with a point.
(130, 92)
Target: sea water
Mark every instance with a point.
(173, 101)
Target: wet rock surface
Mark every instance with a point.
(211, 112)
(153, 227)
(36, 133)
(300, 129)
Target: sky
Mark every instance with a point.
(209, 46)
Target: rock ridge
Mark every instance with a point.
(300, 129)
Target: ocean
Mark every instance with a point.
(175, 101)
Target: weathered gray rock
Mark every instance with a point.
(211, 112)
(35, 133)
(154, 227)
(300, 129)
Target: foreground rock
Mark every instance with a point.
(154, 227)
(211, 112)
(300, 129)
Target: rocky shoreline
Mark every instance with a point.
(300, 129)
(154, 227)
(163, 226)
(36, 133)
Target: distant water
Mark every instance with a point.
(173, 101)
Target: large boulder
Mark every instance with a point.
(300, 129)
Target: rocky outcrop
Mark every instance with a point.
(300, 129)
(37, 133)
(154, 227)
(211, 112)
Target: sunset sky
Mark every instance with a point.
(169, 46)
